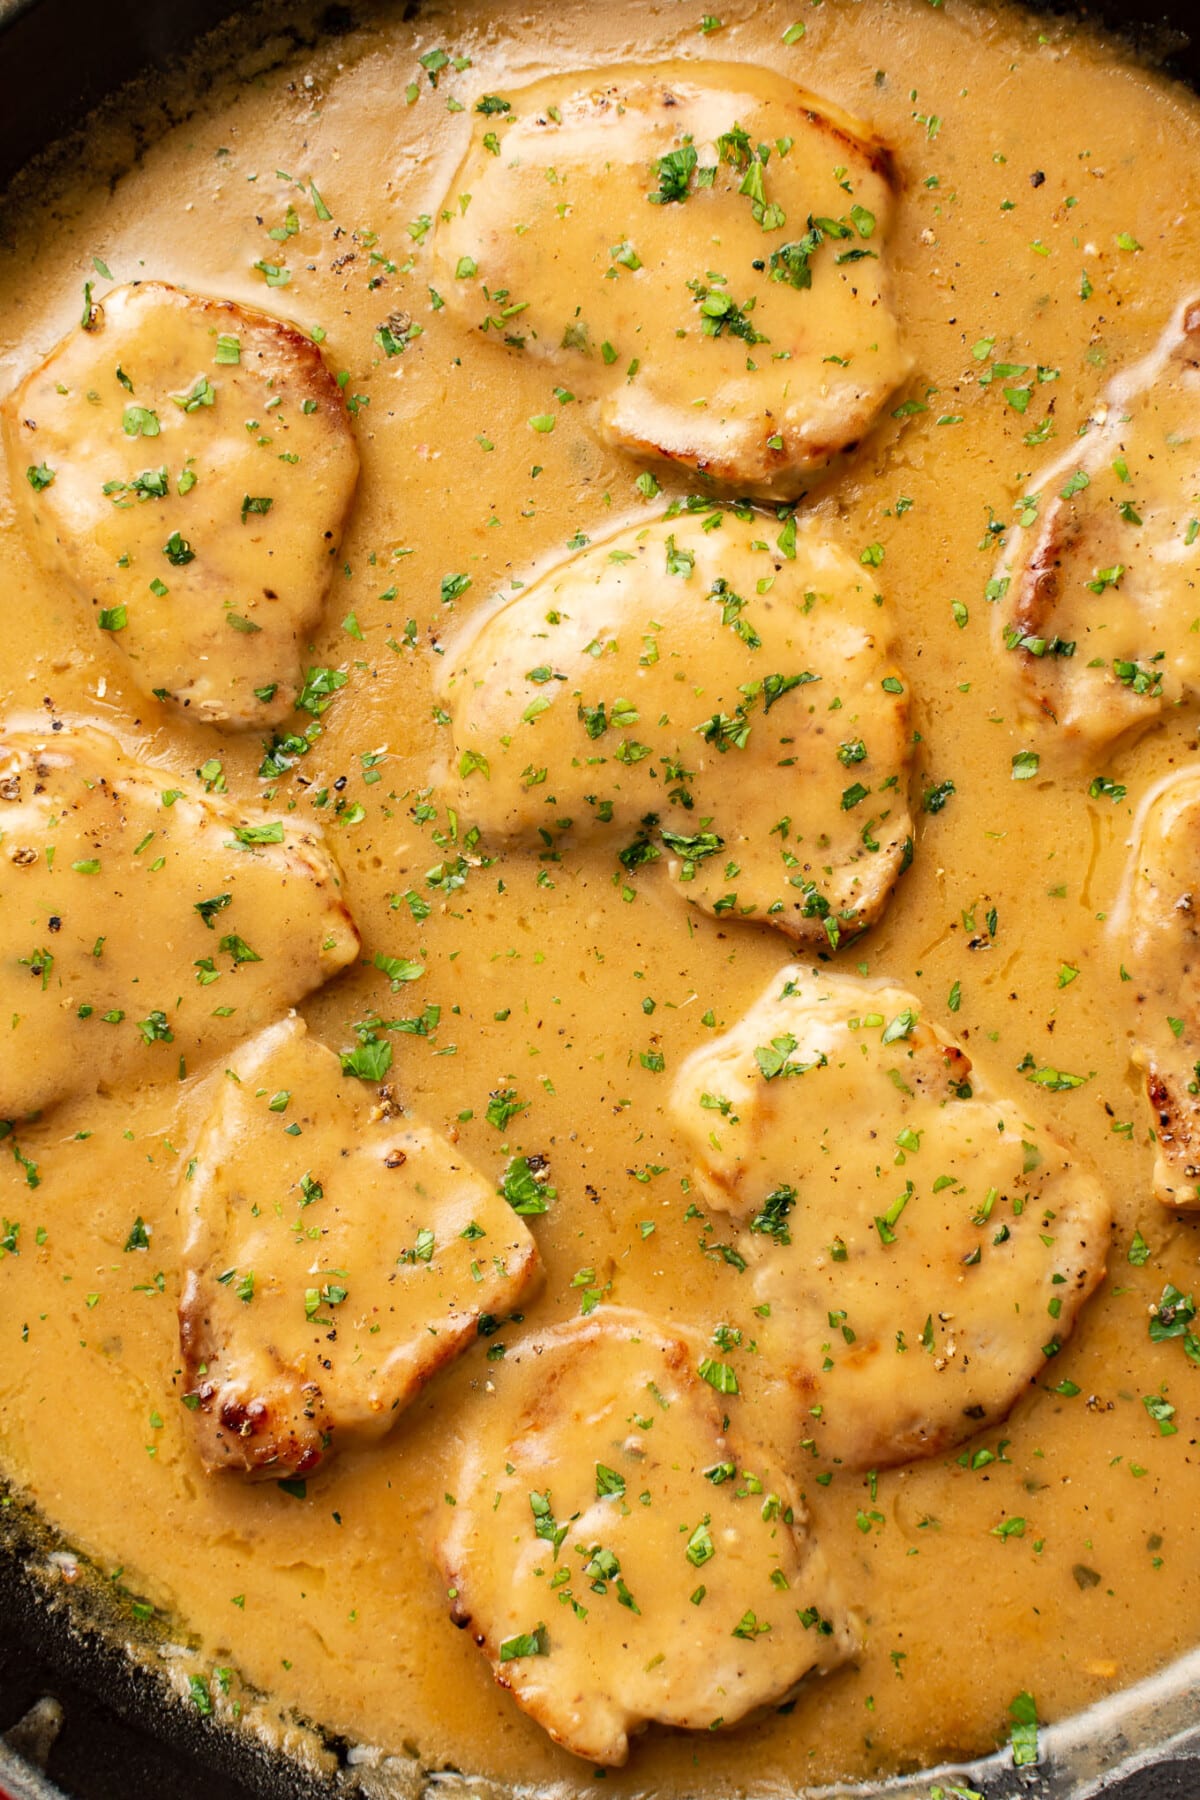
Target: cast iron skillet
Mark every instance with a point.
(71, 1701)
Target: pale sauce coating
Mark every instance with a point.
(1027, 156)
(692, 695)
(107, 861)
(914, 1258)
(1098, 621)
(337, 1256)
(189, 464)
(1155, 927)
(621, 1555)
(741, 324)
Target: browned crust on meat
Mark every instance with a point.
(1176, 1124)
(1037, 594)
(720, 472)
(1172, 1121)
(1188, 350)
(282, 337)
(288, 1431)
(872, 151)
(1033, 607)
(1161, 943)
(1037, 588)
(937, 1066)
(752, 467)
(877, 155)
(286, 1428)
(234, 1427)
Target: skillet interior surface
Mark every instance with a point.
(84, 1709)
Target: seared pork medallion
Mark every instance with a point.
(622, 1550)
(1157, 926)
(1100, 590)
(144, 921)
(699, 250)
(709, 695)
(917, 1252)
(337, 1254)
(189, 464)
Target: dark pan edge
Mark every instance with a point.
(87, 56)
(83, 1626)
(85, 1629)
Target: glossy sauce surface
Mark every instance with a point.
(1028, 156)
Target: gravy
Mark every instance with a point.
(1040, 166)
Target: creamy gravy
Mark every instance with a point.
(1029, 156)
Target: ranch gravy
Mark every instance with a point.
(1050, 219)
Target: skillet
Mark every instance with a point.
(85, 1710)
